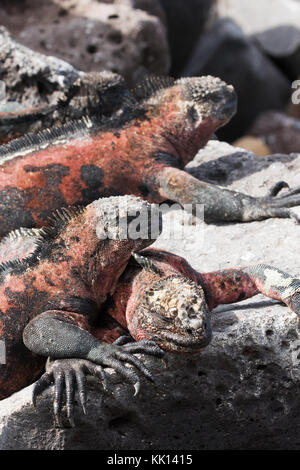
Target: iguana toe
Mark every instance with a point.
(124, 339)
(278, 205)
(145, 346)
(277, 187)
(289, 198)
(69, 376)
(40, 385)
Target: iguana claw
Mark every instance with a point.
(123, 340)
(127, 355)
(277, 187)
(278, 206)
(272, 205)
(68, 375)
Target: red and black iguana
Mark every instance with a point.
(58, 297)
(141, 149)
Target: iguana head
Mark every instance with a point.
(190, 110)
(206, 98)
(172, 311)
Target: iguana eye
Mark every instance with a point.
(193, 114)
(162, 317)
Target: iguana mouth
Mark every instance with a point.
(188, 341)
(227, 110)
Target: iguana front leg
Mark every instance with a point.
(65, 335)
(234, 285)
(222, 204)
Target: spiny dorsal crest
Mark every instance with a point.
(41, 237)
(9, 266)
(94, 92)
(58, 221)
(146, 264)
(150, 86)
(18, 244)
(20, 233)
(44, 138)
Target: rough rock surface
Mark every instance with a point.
(280, 132)
(226, 52)
(43, 78)
(93, 35)
(242, 392)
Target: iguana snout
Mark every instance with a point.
(173, 313)
(212, 98)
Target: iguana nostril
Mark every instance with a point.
(189, 331)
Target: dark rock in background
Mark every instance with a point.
(274, 25)
(282, 44)
(280, 132)
(186, 21)
(93, 35)
(225, 51)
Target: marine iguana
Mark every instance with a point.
(63, 285)
(140, 150)
(94, 92)
(157, 297)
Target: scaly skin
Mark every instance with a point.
(140, 150)
(158, 298)
(166, 300)
(56, 294)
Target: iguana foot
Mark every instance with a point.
(67, 375)
(222, 204)
(272, 205)
(122, 351)
(279, 205)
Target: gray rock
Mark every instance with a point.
(150, 6)
(224, 164)
(93, 36)
(275, 27)
(43, 78)
(282, 44)
(225, 51)
(241, 392)
(260, 15)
